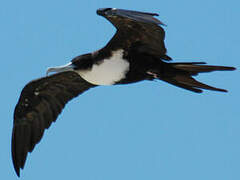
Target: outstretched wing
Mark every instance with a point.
(40, 103)
(138, 30)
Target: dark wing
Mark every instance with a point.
(136, 29)
(40, 103)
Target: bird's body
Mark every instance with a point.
(136, 52)
(107, 71)
(117, 68)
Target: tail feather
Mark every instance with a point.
(180, 74)
(196, 68)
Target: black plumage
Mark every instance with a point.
(40, 103)
(138, 46)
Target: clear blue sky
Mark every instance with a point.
(148, 130)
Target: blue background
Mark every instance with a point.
(147, 130)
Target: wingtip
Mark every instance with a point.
(18, 173)
(16, 165)
(154, 14)
(17, 170)
(232, 68)
(223, 90)
(14, 160)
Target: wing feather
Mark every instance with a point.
(40, 103)
(136, 29)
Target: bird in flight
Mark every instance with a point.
(136, 52)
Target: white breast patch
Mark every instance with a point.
(108, 72)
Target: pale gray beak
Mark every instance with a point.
(58, 69)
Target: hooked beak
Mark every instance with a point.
(58, 69)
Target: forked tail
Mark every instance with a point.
(180, 74)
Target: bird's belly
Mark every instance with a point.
(107, 72)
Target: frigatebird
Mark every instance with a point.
(136, 52)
